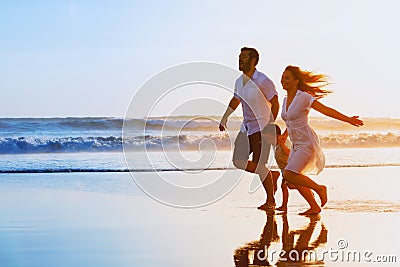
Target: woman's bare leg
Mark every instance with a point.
(309, 197)
(302, 180)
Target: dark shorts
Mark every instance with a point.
(252, 144)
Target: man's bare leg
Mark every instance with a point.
(266, 176)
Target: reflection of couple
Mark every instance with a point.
(260, 105)
(296, 245)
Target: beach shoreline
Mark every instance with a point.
(80, 222)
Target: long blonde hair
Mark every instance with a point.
(310, 82)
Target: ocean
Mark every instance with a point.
(67, 198)
(100, 144)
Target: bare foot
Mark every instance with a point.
(267, 206)
(311, 211)
(282, 208)
(323, 195)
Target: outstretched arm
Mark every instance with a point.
(233, 104)
(330, 112)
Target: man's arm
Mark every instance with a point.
(233, 104)
(274, 106)
(268, 89)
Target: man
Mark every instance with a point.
(260, 105)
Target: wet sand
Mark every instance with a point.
(79, 222)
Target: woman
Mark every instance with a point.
(303, 89)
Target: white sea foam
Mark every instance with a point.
(54, 135)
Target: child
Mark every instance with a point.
(282, 150)
(281, 147)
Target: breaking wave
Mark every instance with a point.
(25, 145)
(176, 123)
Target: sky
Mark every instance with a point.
(88, 58)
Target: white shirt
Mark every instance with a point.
(255, 97)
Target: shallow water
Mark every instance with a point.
(173, 160)
(103, 219)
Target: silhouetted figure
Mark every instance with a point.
(259, 248)
(304, 88)
(300, 252)
(256, 253)
(259, 99)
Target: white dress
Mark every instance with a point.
(306, 156)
